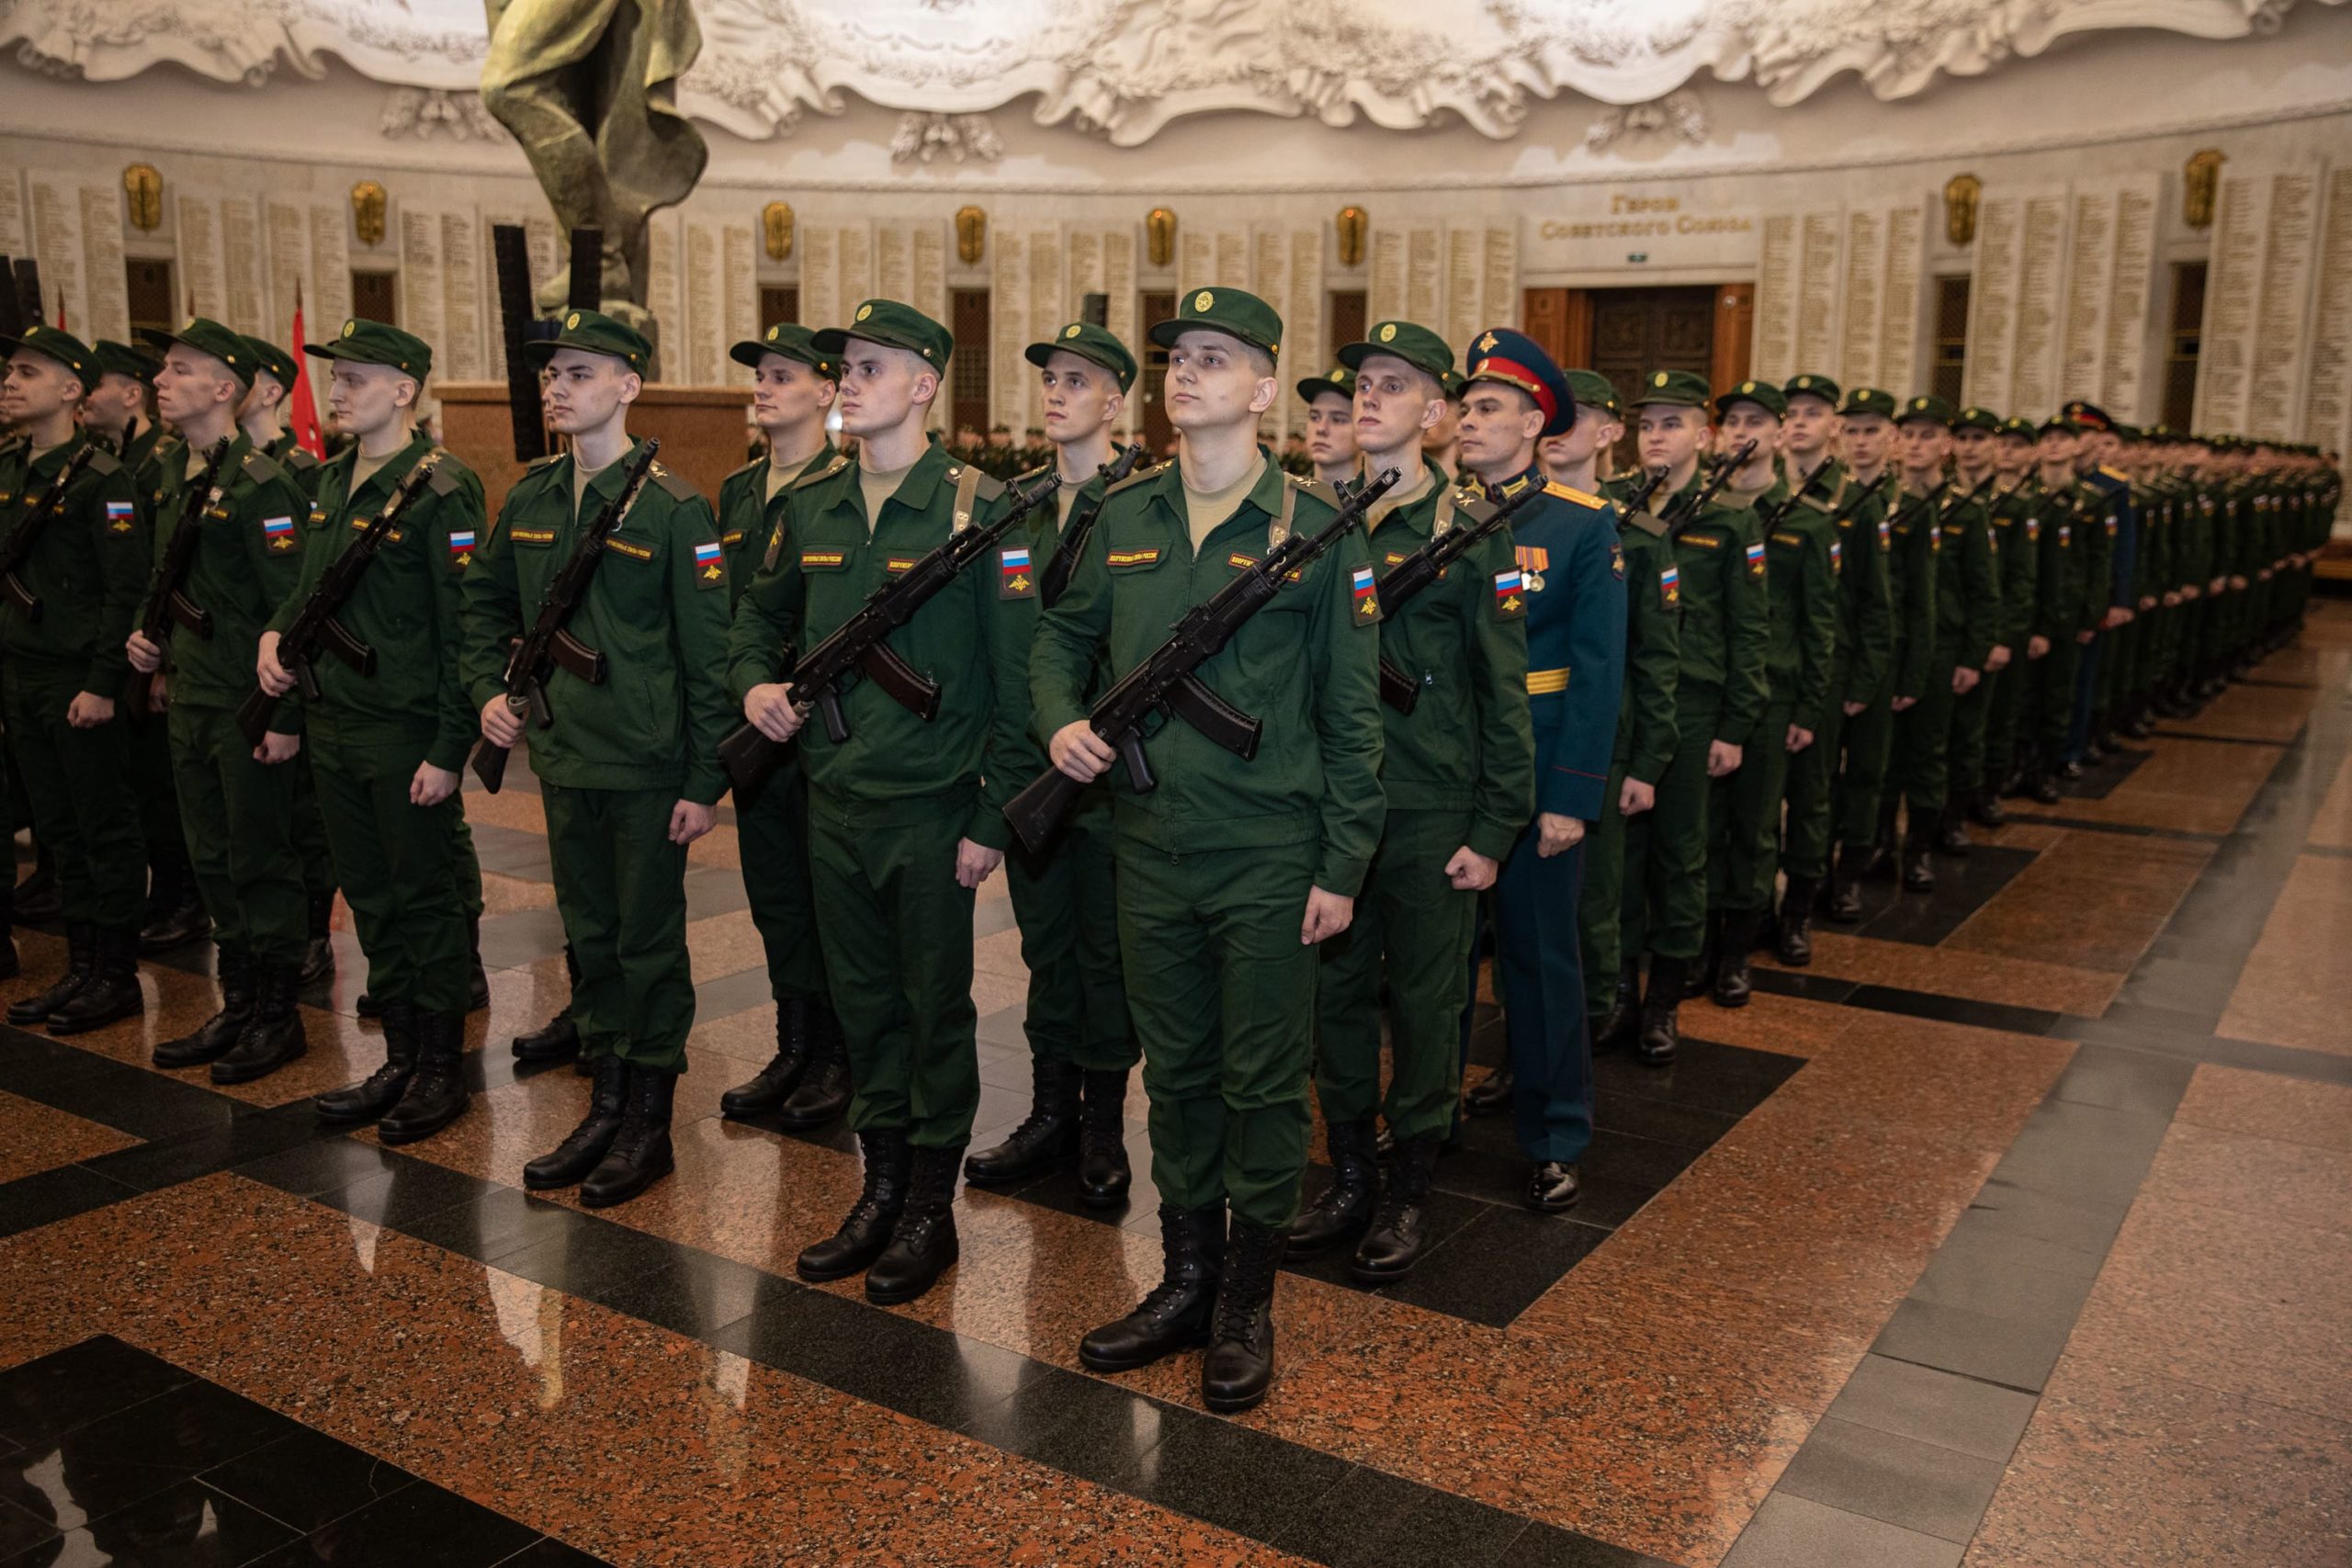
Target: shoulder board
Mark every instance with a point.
(1555, 488)
(1647, 522)
(745, 470)
(443, 481)
(103, 463)
(840, 460)
(1317, 488)
(1138, 477)
(2112, 473)
(1471, 505)
(987, 487)
(1024, 480)
(299, 459)
(673, 482)
(262, 466)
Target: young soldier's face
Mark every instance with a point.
(265, 393)
(584, 390)
(1594, 430)
(2056, 447)
(1971, 448)
(35, 388)
(192, 382)
(1215, 380)
(1496, 424)
(1743, 422)
(116, 403)
(1446, 431)
(1395, 402)
(1081, 397)
(1670, 435)
(2011, 454)
(1867, 437)
(786, 393)
(882, 387)
(1925, 444)
(1330, 431)
(364, 399)
(1806, 428)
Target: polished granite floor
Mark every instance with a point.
(2012, 1230)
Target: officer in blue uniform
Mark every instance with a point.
(1573, 576)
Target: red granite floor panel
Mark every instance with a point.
(2275, 714)
(2292, 991)
(2090, 902)
(35, 1137)
(2190, 786)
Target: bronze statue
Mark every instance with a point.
(589, 88)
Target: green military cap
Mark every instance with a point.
(1926, 406)
(2127, 432)
(793, 342)
(1813, 386)
(2019, 427)
(121, 360)
(208, 336)
(1233, 311)
(1684, 389)
(1408, 341)
(1593, 391)
(1087, 341)
(376, 343)
(893, 325)
(1869, 399)
(268, 356)
(1339, 379)
(594, 332)
(1975, 418)
(56, 342)
(1455, 384)
(2058, 422)
(1763, 394)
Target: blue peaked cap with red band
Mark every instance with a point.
(1514, 359)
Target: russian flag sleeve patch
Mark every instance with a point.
(1364, 591)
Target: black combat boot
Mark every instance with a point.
(1698, 978)
(1621, 1024)
(1174, 1315)
(1886, 851)
(1104, 1176)
(1984, 808)
(478, 984)
(1918, 861)
(1239, 1366)
(641, 1154)
(1344, 1209)
(1659, 1033)
(437, 1095)
(1489, 1096)
(273, 1036)
(380, 1090)
(1046, 1137)
(1554, 1186)
(81, 967)
(558, 1038)
(2137, 722)
(1793, 934)
(867, 1230)
(1735, 980)
(1398, 1236)
(211, 1039)
(584, 1146)
(318, 958)
(112, 993)
(922, 1244)
(1951, 833)
(1846, 875)
(824, 1089)
(2042, 785)
(11, 964)
(174, 912)
(771, 1085)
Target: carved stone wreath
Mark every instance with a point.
(1123, 68)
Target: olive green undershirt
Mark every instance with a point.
(1204, 508)
(878, 486)
(1406, 493)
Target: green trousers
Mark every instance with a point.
(1920, 774)
(2003, 708)
(1663, 910)
(1413, 927)
(79, 783)
(397, 864)
(1811, 825)
(238, 815)
(1601, 937)
(1972, 715)
(620, 885)
(1223, 994)
(2047, 704)
(1868, 754)
(1066, 901)
(898, 958)
(147, 750)
(1744, 818)
(772, 835)
(310, 832)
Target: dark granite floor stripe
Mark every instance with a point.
(2093, 825)
(2219, 739)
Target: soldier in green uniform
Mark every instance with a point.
(1866, 420)
(69, 606)
(1975, 457)
(236, 809)
(1719, 705)
(628, 771)
(1849, 498)
(2193, 558)
(1458, 776)
(1082, 1042)
(2016, 516)
(906, 817)
(1331, 425)
(2068, 512)
(806, 1084)
(1232, 871)
(1800, 555)
(386, 744)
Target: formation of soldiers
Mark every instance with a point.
(1477, 697)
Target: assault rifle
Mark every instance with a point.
(167, 602)
(1795, 498)
(1949, 506)
(1055, 580)
(314, 629)
(547, 646)
(1425, 565)
(19, 548)
(1168, 682)
(821, 677)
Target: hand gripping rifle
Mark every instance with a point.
(1168, 682)
(19, 548)
(314, 629)
(547, 646)
(1425, 565)
(167, 602)
(1055, 580)
(821, 677)
(1796, 497)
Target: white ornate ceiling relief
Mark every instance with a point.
(1126, 68)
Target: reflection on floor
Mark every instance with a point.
(2009, 1231)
